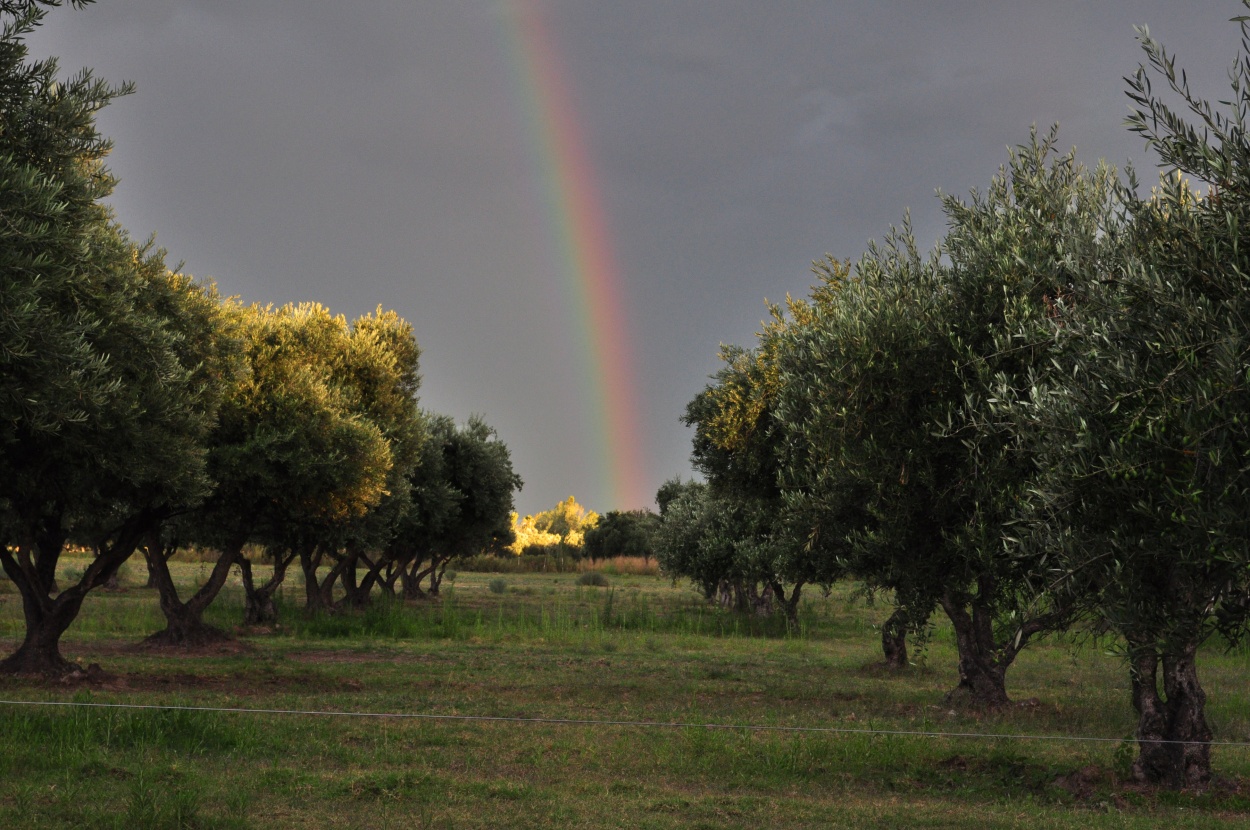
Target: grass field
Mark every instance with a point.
(543, 646)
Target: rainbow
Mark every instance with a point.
(579, 228)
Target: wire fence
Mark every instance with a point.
(640, 724)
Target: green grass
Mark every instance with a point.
(641, 649)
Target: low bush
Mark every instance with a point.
(593, 578)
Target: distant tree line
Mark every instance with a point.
(140, 411)
(559, 531)
(1040, 423)
(569, 530)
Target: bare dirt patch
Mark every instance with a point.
(216, 648)
(124, 648)
(339, 656)
(236, 685)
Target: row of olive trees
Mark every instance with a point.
(138, 410)
(1041, 422)
(321, 456)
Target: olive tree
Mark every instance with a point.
(726, 547)
(462, 501)
(621, 533)
(673, 489)
(737, 447)
(106, 391)
(1139, 422)
(289, 456)
(377, 372)
(889, 400)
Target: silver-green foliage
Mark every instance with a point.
(1138, 419)
(111, 366)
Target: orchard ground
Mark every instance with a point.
(542, 645)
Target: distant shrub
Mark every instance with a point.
(594, 578)
(498, 586)
(559, 551)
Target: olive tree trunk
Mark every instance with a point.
(436, 575)
(790, 604)
(390, 574)
(894, 640)
(47, 612)
(314, 599)
(357, 592)
(259, 604)
(983, 660)
(1173, 737)
(184, 621)
(982, 666)
(40, 651)
(417, 571)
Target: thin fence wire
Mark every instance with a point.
(643, 724)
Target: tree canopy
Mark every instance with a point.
(112, 367)
(1041, 421)
(563, 528)
(139, 408)
(621, 533)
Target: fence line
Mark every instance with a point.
(644, 724)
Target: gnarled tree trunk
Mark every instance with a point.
(789, 605)
(436, 575)
(319, 593)
(357, 593)
(894, 639)
(389, 574)
(982, 662)
(1173, 737)
(40, 651)
(410, 578)
(418, 570)
(184, 621)
(309, 561)
(259, 604)
(373, 574)
(48, 613)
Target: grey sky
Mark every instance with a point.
(358, 154)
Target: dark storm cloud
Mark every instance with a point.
(364, 154)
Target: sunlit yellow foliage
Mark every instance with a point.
(305, 411)
(566, 524)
